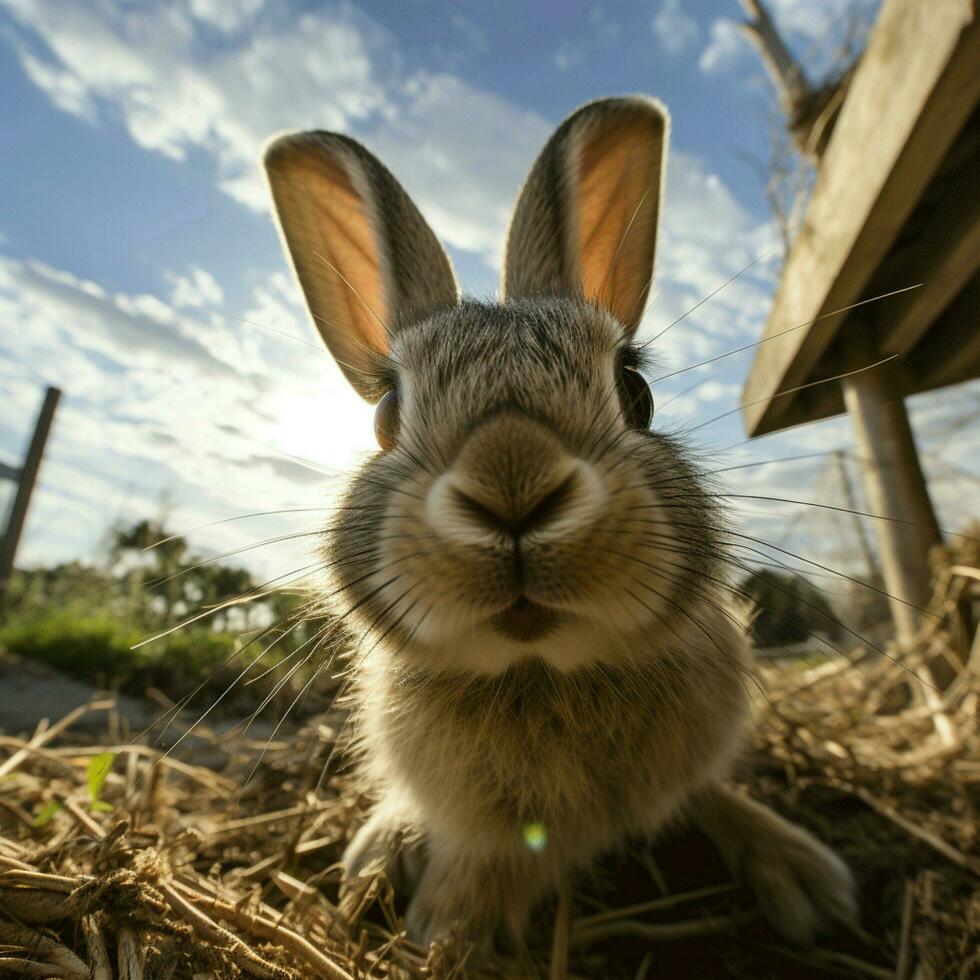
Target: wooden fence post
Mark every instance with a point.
(25, 477)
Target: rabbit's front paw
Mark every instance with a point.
(427, 918)
(800, 884)
(485, 902)
(379, 847)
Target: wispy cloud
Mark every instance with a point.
(726, 46)
(675, 29)
(332, 68)
(198, 288)
(149, 65)
(223, 416)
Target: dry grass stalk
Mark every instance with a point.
(181, 871)
(558, 966)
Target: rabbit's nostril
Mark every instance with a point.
(480, 513)
(548, 507)
(517, 520)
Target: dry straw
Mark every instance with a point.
(153, 868)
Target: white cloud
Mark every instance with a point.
(198, 289)
(221, 414)
(145, 63)
(225, 15)
(331, 68)
(471, 32)
(712, 391)
(462, 153)
(676, 30)
(603, 30)
(82, 316)
(707, 237)
(63, 88)
(568, 56)
(726, 46)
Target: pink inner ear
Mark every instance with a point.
(618, 190)
(350, 253)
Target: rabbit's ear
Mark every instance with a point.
(585, 223)
(364, 255)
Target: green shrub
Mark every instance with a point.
(179, 662)
(99, 647)
(195, 649)
(84, 646)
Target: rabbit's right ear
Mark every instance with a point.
(585, 224)
(364, 255)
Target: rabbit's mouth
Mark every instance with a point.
(526, 621)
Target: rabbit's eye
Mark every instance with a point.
(636, 398)
(386, 420)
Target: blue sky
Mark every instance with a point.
(139, 269)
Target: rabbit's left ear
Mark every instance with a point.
(585, 224)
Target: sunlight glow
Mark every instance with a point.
(331, 427)
(536, 836)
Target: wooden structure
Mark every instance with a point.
(896, 204)
(25, 477)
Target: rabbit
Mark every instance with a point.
(550, 659)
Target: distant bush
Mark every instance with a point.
(99, 647)
(85, 646)
(788, 609)
(84, 620)
(178, 663)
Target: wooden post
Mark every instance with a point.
(896, 489)
(25, 486)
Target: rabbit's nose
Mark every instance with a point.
(533, 513)
(513, 479)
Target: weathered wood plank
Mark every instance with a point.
(915, 87)
(952, 355)
(943, 259)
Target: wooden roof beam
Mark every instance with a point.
(943, 258)
(950, 354)
(912, 92)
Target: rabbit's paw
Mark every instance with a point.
(380, 847)
(427, 919)
(479, 901)
(442, 906)
(800, 884)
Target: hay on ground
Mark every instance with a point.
(136, 865)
